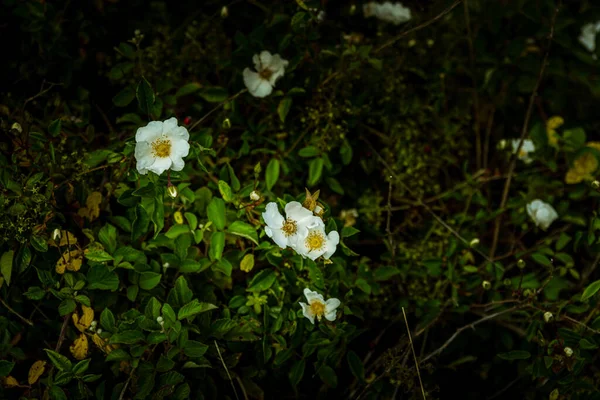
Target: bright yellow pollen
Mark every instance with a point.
(315, 241)
(317, 309)
(289, 227)
(161, 148)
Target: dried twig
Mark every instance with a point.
(227, 371)
(414, 354)
(22, 318)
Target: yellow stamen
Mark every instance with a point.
(317, 309)
(266, 74)
(289, 227)
(315, 241)
(161, 147)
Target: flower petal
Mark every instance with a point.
(333, 239)
(160, 165)
(312, 296)
(272, 216)
(279, 238)
(330, 316)
(257, 86)
(265, 60)
(169, 126)
(331, 305)
(149, 132)
(179, 148)
(295, 211)
(177, 163)
(307, 313)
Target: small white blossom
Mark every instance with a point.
(160, 320)
(568, 351)
(395, 13)
(56, 235)
(99, 331)
(286, 231)
(315, 243)
(166, 265)
(269, 68)
(548, 317)
(161, 146)
(588, 36)
(318, 307)
(254, 196)
(526, 148)
(543, 214)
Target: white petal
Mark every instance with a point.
(331, 305)
(295, 211)
(330, 316)
(177, 163)
(312, 296)
(279, 238)
(272, 216)
(169, 126)
(179, 148)
(149, 132)
(262, 90)
(160, 165)
(257, 86)
(268, 231)
(332, 241)
(307, 313)
(265, 60)
(180, 132)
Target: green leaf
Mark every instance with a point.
(334, 185)
(149, 280)
(98, 255)
(6, 263)
(194, 307)
(272, 173)
(591, 290)
(327, 375)
(308, 152)
(214, 94)
(124, 97)
(177, 230)
(127, 337)
(297, 372)
(61, 362)
(188, 89)
(356, 366)
(56, 393)
(262, 281)
(181, 293)
(140, 223)
(66, 306)
(152, 310)
(348, 231)
(100, 277)
(108, 237)
(216, 212)
(193, 348)
(39, 243)
(244, 230)
(385, 272)
(145, 96)
(217, 243)
(107, 320)
(158, 215)
(54, 127)
(315, 169)
(284, 108)
(81, 366)
(5, 368)
(225, 191)
(515, 355)
(541, 259)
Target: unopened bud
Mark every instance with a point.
(160, 320)
(568, 351)
(527, 292)
(430, 42)
(257, 169)
(412, 42)
(521, 263)
(93, 324)
(226, 123)
(596, 185)
(486, 285)
(474, 242)
(166, 265)
(56, 235)
(548, 317)
(224, 12)
(137, 32)
(99, 331)
(17, 127)
(254, 196)
(172, 190)
(501, 144)
(321, 16)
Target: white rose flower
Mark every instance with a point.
(314, 243)
(269, 68)
(286, 231)
(588, 36)
(395, 13)
(161, 146)
(543, 214)
(526, 148)
(318, 307)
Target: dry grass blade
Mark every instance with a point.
(414, 354)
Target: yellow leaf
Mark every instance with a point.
(70, 260)
(552, 137)
(102, 344)
(36, 370)
(178, 217)
(79, 348)
(66, 238)
(10, 382)
(247, 263)
(554, 122)
(82, 323)
(594, 145)
(586, 164)
(93, 205)
(572, 177)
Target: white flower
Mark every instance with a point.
(269, 68)
(318, 307)
(588, 35)
(315, 243)
(395, 13)
(161, 146)
(286, 231)
(526, 148)
(543, 214)
(254, 196)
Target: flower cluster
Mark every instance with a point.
(395, 13)
(301, 230)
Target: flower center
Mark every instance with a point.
(522, 153)
(317, 309)
(315, 240)
(266, 74)
(289, 227)
(161, 147)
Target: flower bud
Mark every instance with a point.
(521, 263)
(254, 196)
(226, 123)
(178, 217)
(548, 317)
(486, 285)
(172, 190)
(474, 242)
(166, 265)
(99, 331)
(224, 12)
(596, 185)
(160, 320)
(568, 351)
(554, 394)
(56, 235)
(17, 127)
(93, 324)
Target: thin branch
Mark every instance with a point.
(414, 354)
(389, 220)
(474, 81)
(22, 318)
(221, 104)
(122, 394)
(227, 371)
(63, 331)
(573, 320)
(418, 27)
(513, 161)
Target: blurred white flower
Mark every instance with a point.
(543, 214)
(395, 13)
(588, 35)
(286, 231)
(269, 68)
(526, 148)
(318, 307)
(313, 242)
(161, 146)
(254, 196)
